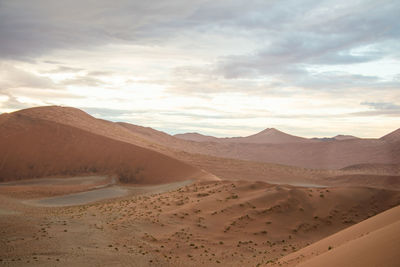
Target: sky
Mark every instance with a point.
(225, 68)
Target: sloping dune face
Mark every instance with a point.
(393, 137)
(34, 147)
(373, 242)
(79, 119)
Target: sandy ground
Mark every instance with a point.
(232, 223)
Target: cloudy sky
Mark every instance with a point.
(226, 68)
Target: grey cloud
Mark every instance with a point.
(32, 28)
(289, 82)
(53, 62)
(13, 103)
(330, 38)
(387, 109)
(120, 114)
(338, 81)
(85, 81)
(107, 113)
(43, 95)
(386, 113)
(219, 115)
(299, 35)
(12, 77)
(382, 105)
(177, 127)
(65, 69)
(100, 73)
(307, 30)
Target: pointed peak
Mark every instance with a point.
(270, 130)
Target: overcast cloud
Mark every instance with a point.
(312, 68)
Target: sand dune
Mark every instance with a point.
(373, 242)
(80, 119)
(38, 148)
(393, 137)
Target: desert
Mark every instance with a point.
(177, 133)
(64, 200)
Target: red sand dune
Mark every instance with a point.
(373, 242)
(34, 147)
(393, 137)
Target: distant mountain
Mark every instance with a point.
(274, 146)
(339, 137)
(267, 136)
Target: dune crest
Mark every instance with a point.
(34, 147)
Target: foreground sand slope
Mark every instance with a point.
(34, 147)
(373, 242)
